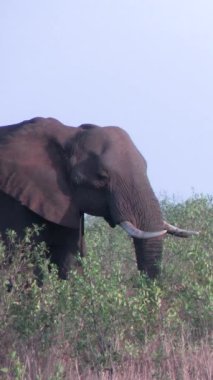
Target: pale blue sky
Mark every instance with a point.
(145, 65)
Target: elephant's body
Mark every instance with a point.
(52, 174)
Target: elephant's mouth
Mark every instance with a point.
(140, 234)
(170, 229)
(134, 232)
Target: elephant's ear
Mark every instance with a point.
(33, 169)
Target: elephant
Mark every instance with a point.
(53, 174)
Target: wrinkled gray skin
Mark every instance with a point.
(53, 174)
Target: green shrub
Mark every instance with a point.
(187, 275)
(109, 311)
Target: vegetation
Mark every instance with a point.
(108, 321)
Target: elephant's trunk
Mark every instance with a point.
(148, 255)
(138, 205)
(149, 251)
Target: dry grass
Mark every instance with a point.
(162, 359)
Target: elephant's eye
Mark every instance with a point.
(102, 175)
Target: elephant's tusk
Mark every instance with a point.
(173, 230)
(139, 234)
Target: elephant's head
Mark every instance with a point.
(109, 177)
(61, 172)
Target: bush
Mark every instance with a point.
(108, 315)
(187, 275)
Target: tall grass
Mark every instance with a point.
(110, 322)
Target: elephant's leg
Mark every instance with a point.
(82, 247)
(81, 243)
(64, 253)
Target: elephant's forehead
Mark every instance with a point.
(92, 140)
(106, 137)
(120, 141)
(105, 142)
(117, 133)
